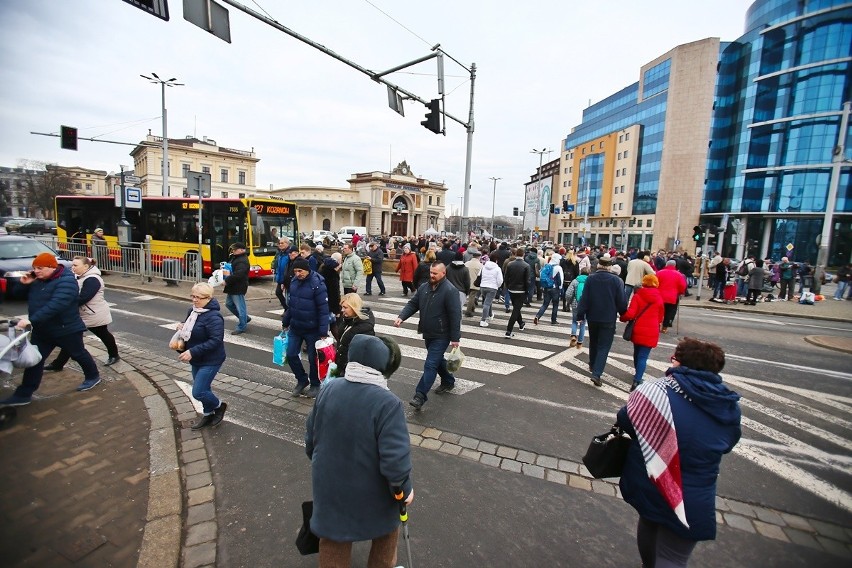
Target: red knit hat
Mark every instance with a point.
(45, 260)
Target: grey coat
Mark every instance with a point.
(359, 447)
(755, 278)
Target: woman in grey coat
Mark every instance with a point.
(755, 282)
(358, 443)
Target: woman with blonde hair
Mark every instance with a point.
(355, 319)
(647, 309)
(94, 310)
(203, 334)
(421, 275)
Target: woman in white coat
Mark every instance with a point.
(94, 310)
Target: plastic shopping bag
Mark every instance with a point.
(455, 359)
(279, 349)
(217, 278)
(326, 354)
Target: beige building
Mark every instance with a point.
(638, 161)
(232, 172)
(396, 203)
(83, 180)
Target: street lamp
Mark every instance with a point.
(538, 184)
(493, 200)
(163, 84)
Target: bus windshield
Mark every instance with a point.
(268, 224)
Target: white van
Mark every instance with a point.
(345, 234)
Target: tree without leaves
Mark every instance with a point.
(41, 184)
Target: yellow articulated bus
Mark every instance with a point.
(172, 224)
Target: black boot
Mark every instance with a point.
(113, 360)
(204, 422)
(219, 414)
(53, 367)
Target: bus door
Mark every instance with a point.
(219, 240)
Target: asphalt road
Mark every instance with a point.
(532, 393)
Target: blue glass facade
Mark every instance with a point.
(779, 93)
(624, 109)
(591, 184)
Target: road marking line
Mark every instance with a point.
(145, 298)
(516, 350)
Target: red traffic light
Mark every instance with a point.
(68, 137)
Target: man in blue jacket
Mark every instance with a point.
(279, 269)
(306, 321)
(603, 300)
(440, 323)
(54, 314)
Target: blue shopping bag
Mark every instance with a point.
(279, 349)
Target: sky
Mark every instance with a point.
(314, 121)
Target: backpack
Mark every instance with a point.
(581, 285)
(742, 269)
(546, 276)
(368, 266)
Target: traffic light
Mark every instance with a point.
(697, 233)
(68, 137)
(565, 205)
(514, 211)
(552, 207)
(433, 117)
(713, 230)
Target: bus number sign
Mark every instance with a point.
(272, 209)
(189, 205)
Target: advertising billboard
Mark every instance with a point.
(537, 205)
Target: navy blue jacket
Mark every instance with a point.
(279, 265)
(708, 426)
(207, 341)
(603, 298)
(53, 306)
(440, 311)
(307, 310)
(359, 447)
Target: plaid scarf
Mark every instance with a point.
(650, 413)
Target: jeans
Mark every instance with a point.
(102, 333)
(487, 299)
(202, 379)
(517, 303)
(628, 291)
(506, 298)
(841, 287)
(551, 295)
(719, 289)
(236, 303)
(582, 326)
(73, 344)
(294, 357)
(661, 548)
(742, 287)
(530, 289)
(379, 281)
(640, 361)
(435, 365)
(600, 342)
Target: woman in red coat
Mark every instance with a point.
(646, 307)
(406, 266)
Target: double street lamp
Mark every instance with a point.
(163, 84)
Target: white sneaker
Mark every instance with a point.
(491, 317)
(483, 324)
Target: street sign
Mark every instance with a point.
(208, 16)
(677, 242)
(158, 8)
(132, 199)
(789, 246)
(569, 209)
(198, 183)
(132, 179)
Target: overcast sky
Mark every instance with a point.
(315, 121)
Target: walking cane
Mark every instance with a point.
(399, 495)
(677, 318)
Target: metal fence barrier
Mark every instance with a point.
(142, 260)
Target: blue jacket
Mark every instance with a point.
(53, 306)
(440, 311)
(603, 298)
(279, 265)
(207, 341)
(359, 447)
(307, 310)
(708, 425)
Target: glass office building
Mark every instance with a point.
(776, 146)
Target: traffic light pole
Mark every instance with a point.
(702, 260)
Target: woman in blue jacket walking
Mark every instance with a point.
(681, 426)
(203, 332)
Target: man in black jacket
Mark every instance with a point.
(603, 300)
(516, 277)
(236, 286)
(377, 258)
(440, 323)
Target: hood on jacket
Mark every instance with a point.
(555, 258)
(92, 271)
(709, 393)
(213, 304)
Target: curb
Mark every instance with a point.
(725, 308)
(830, 342)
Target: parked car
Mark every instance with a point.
(12, 223)
(37, 227)
(16, 259)
(345, 234)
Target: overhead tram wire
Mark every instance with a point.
(400, 24)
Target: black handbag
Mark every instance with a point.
(306, 541)
(628, 329)
(607, 453)
(478, 281)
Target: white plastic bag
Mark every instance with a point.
(217, 278)
(455, 359)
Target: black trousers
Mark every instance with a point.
(281, 295)
(518, 299)
(669, 314)
(102, 333)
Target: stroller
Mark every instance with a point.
(15, 351)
